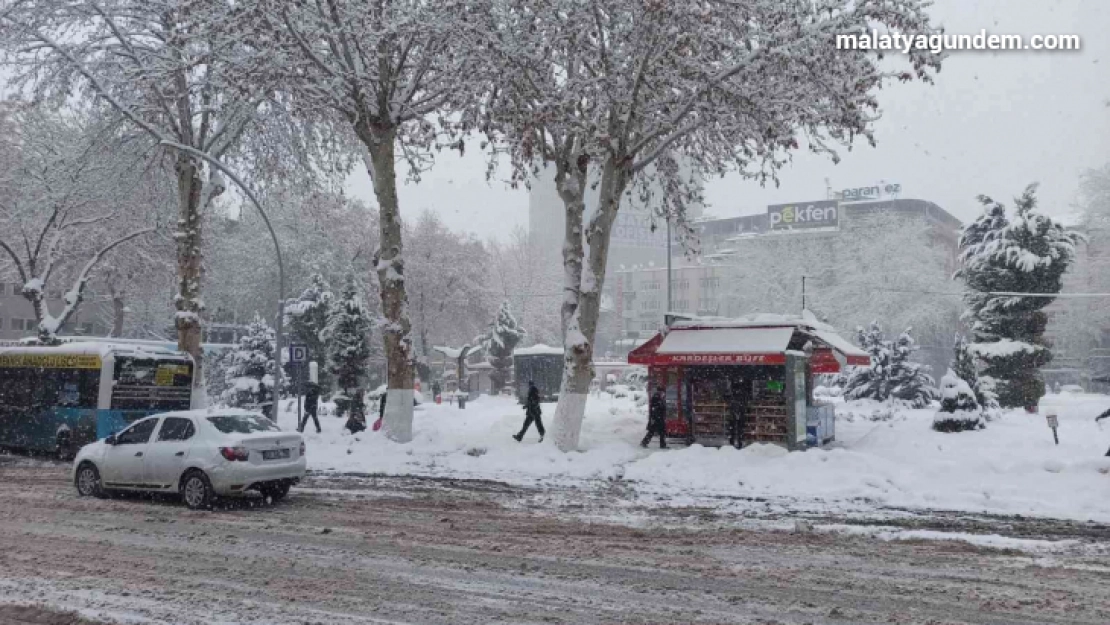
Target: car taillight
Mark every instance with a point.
(302, 449)
(235, 453)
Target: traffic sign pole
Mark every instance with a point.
(298, 356)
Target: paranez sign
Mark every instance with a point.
(803, 215)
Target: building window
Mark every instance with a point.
(87, 328)
(682, 305)
(54, 294)
(682, 285)
(3, 288)
(711, 283)
(1, 323)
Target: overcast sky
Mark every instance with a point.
(992, 123)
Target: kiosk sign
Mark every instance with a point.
(803, 215)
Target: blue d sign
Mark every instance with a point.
(298, 353)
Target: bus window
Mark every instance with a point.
(151, 384)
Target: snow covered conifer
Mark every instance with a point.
(959, 411)
(966, 368)
(503, 338)
(250, 366)
(891, 373)
(307, 318)
(1028, 253)
(347, 337)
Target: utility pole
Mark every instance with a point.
(670, 302)
(803, 293)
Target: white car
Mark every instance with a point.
(199, 454)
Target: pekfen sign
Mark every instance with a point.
(804, 215)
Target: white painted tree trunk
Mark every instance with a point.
(396, 334)
(581, 328)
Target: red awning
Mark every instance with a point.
(745, 346)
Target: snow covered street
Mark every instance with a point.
(426, 550)
(874, 469)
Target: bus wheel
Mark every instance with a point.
(196, 490)
(64, 446)
(88, 481)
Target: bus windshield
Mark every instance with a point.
(151, 384)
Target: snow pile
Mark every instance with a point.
(1011, 468)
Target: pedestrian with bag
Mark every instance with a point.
(657, 420)
(532, 412)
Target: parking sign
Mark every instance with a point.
(298, 353)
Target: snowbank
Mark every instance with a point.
(1012, 467)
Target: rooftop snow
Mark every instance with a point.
(731, 340)
(539, 349)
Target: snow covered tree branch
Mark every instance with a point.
(604, 90)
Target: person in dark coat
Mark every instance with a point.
(1100, 418)
(311, 406)
(657, 419)
(381, 406)
(532, 412)
(357, 421)
(737, 401)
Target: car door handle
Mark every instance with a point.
(180, 453)
(138, 454)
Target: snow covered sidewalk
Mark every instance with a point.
(1012, 467)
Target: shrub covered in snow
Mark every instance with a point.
(307, 319)
(891, 373)
(1029, 253)
(348, 339)
(502, 339)
(250, 366)
(959, 410)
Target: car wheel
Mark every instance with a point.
(196, 490)
(88, 482)
(276, 492)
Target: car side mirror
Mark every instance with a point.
(111, 440)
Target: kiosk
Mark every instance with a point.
(746, 380)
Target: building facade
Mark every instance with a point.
(747, 264)
(17, 316)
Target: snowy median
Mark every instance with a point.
(1011, 467)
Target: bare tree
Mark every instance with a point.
(164, 67)
(383, 67)
(64, 198)
(603, 90)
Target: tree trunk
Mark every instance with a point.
(581, 329)
(396, 335)
(190, 271)
(571, 186)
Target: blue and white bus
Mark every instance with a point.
(57, 399)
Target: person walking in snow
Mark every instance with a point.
(532, 412)
(1102, 416)
(311, 399)
(357, 421)
(657, 420)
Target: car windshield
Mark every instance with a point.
(243, 424)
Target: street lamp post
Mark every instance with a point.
(277, 251)
(670, 301)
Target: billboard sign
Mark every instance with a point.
(804, 215)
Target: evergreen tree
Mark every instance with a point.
(347, 337)
(503, 338)
(891, 373)
(1027, 254)
(307, 318)
(250, 366)
(959, 410)
(965, 367)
